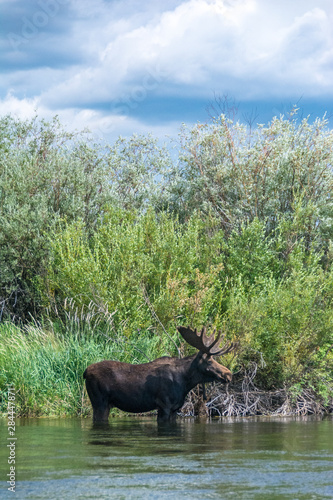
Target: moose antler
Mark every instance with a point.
(204, 343)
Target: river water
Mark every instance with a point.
(135, 458)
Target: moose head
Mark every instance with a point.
(208, 347)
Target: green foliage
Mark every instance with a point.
(136, 168)
(153, 273)
(138, 266)
(46, 174)
(46, 368)
(117, 244)
(286, 327)
(252, 255)
(263, 173)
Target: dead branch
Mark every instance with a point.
(244, 399)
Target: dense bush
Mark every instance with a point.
(138, 267)
(47, 173)
(241, 175)
(236, 233)
(153, 273)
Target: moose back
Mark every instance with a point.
(161, 384)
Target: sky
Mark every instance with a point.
(124, 67)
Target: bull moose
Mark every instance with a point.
(161, 384)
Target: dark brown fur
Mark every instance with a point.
(161, 384)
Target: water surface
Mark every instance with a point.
(133, 458)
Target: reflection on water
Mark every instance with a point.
(261, 458)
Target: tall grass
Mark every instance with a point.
(46, 366)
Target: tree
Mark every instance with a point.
(271, 173)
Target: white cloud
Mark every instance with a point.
(21, 108)
(202, 44)
(107, 127)
(302, 61)
(251, 49)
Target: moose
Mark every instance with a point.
(161, 384)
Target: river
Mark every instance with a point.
(135, 458)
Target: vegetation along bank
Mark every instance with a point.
(104, 249)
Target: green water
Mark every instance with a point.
(135, 458)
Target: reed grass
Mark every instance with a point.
(46, 365)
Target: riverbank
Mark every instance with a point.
(44, 369)
(240, 401)
(106, 249)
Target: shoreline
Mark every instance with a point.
(232, 404)
(256, 402)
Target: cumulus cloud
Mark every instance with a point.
(110, 58)
(202, 44)
(186, 46)
(102, 125)
(21, 108)
(307, 52)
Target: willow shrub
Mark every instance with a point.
(264, 173)
(46, 174)
(146, 270)
(286, 327)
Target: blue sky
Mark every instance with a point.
(124, 67)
